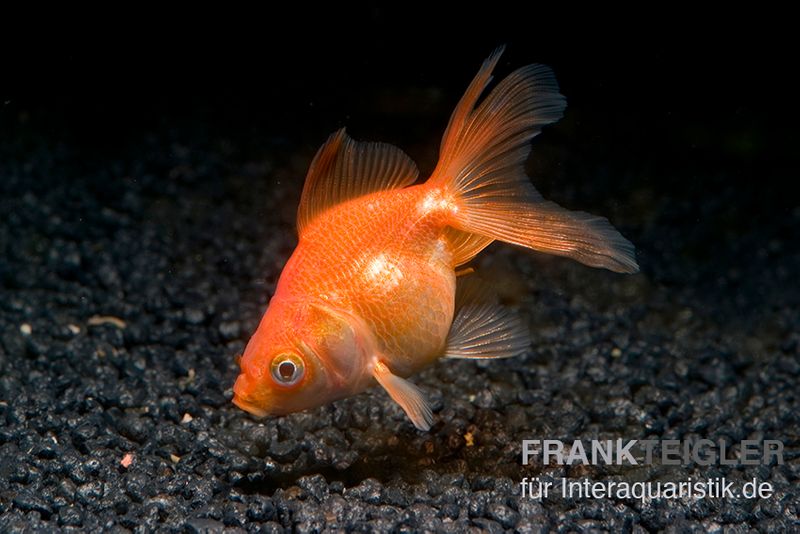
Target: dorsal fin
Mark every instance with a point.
(344, 169)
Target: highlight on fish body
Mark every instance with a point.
(370, 295)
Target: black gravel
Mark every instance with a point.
(133, 274)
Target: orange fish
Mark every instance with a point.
(369, 294)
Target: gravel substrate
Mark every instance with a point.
(131, 279)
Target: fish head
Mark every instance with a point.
(274, 383)
(298, 359)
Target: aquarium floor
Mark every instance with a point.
(131, 280)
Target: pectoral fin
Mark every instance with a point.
(406, 394)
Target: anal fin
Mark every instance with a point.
(406, 394)
(465, 245)
(484, 329)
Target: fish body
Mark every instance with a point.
(370, 276)
(370, 294)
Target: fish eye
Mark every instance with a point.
(287, 369)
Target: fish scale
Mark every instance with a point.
(409, 319)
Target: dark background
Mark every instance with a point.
(660, 100)
(682, 91)
(691, 117)
(150, 169)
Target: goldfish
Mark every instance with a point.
(370, 294)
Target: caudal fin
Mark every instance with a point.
(481, 167)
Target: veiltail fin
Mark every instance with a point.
(481, 166)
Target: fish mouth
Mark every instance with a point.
(249, 407)
(244, 401)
